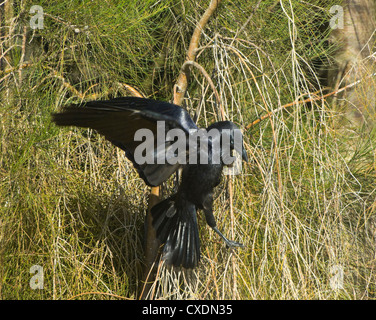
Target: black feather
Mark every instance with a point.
(174, 219)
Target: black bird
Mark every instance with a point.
(174, 219)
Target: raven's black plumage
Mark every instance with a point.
(174, 219)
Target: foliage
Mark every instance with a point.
(73, 204)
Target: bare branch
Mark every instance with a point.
(182, 82)
(312, 99)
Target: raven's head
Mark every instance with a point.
(231, 139)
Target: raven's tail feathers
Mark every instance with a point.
(176, 227)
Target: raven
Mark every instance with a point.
(174, 218)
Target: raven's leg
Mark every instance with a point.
(229, 243)
(210, 220)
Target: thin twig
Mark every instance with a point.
(23, 50)
(246, 23)
(232, 219)
(210, 81)
(311, 99)
(10, 70)
(147, 283)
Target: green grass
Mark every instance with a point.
(71, 202)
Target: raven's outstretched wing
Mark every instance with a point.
(120, 118)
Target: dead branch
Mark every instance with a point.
(311, 99)
(182, 83)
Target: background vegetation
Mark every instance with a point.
(70, 202)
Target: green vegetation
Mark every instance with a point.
(71, 202)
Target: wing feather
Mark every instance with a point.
(119, 119)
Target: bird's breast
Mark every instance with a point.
(200, 180)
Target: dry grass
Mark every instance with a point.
(72, 203)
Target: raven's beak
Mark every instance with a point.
(244, 155)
